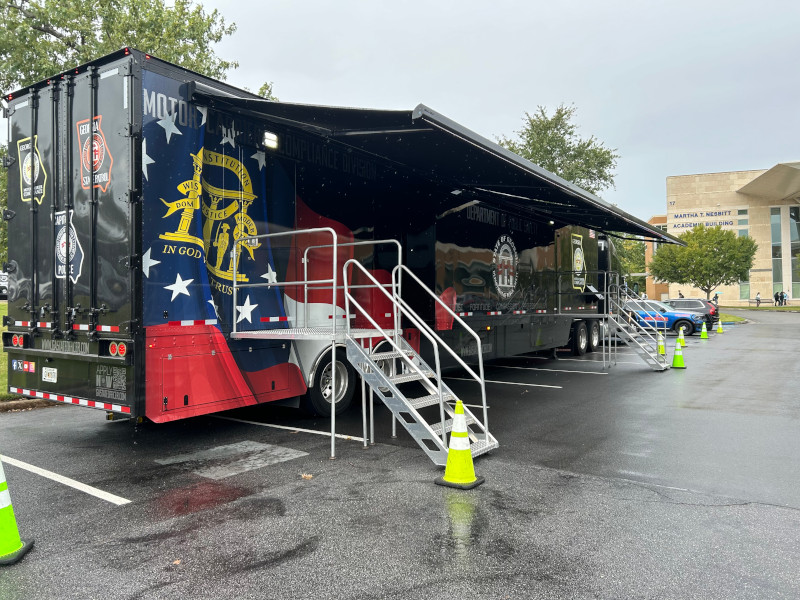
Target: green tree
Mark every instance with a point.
(266, 91)
(553, 143)
(40, 38)
(630, 253)
(712, 257)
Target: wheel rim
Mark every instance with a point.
(341, 382)
(595, 337)
(583, 338)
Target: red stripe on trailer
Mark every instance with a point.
(465, 314)
(540, 311)
(70, 400)
(79, 327)
(110, 328)
(44, 324)
(520, 312)
(494, 313)
(342, 316)
(274, 319)
(22, 323)
(191, 323)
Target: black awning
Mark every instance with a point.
(440, 149)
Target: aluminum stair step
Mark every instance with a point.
(406, 377)
(376, 356)
(448, 425)
(429, 400)
(483, 446)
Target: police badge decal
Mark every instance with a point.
(504, 267)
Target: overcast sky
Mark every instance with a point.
(676, 87)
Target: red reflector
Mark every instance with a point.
(122, 349)
(112, 348)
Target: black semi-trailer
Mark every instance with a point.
(172, 242)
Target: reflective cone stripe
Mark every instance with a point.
(677, 358)
(459, 471)
(681, 339)
(704, 332)
(12, 547)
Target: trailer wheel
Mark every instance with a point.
(580, 339)
(594, 336)
(318, 398)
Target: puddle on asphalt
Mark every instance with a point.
(196, 498)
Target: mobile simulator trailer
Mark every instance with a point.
(180, 247)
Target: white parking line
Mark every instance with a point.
(555, 387)
(292, 429)
(551, 370)
(92, 491)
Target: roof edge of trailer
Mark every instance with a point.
(433, 117)
(289, 114)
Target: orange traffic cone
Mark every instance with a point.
(459, 471)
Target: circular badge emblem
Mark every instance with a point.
(504, 267)
(94, 152)
(30, 168)
(61, 245)
(577, 260)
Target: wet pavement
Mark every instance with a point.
(612, 483)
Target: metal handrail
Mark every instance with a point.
(413, 317)
(332, 281)
(397, 277)
(360, 243)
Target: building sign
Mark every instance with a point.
(709, 218)
(578, 263)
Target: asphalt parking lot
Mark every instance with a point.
(608, 483)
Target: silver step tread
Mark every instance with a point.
(430, 400)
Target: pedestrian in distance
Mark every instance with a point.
(758, 299)
(715, 299)
(777, 299)
(680, 294)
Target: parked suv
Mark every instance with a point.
(650, 313)
(706, 308)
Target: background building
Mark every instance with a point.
(763, 204)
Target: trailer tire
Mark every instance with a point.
(594, 336)
(580, 338)
(318, 397)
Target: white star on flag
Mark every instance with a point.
(179, 287)
(146, 160)
(246, 310)
(271, 276)
(168, 123)
(229, 135)
(148, 262)
(214, 306)
(260, 157)
(203, 111)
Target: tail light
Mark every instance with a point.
(113, 348)
(122, 349)
(15, 340)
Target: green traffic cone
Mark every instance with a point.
(12, 547)
(677, 358)
(704, 332)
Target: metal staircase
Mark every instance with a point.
(398, 375)
(643, 340)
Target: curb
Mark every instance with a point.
(24, 404)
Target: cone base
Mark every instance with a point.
(460, 486)
(10, 559)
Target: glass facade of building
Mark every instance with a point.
(777, 251)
